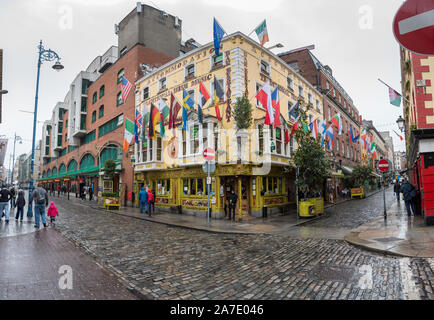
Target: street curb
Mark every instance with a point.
(381, 251)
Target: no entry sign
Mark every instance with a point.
(413, 26)
(209, 154)
(383, 166)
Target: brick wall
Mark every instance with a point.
(130, 62)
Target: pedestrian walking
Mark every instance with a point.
(91, 192)
(151, 201)
(40, 199)
(20, 204)
(232, 199)
(397, 189)
(330, 191)
(14, 195)
(5, 197)
(143, 200)
(409, 192)
(52, 213)
(58, 190)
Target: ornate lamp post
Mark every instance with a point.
(44, 55)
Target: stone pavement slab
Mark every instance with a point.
(32, 266)
(398, 235)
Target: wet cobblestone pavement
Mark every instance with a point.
(30, 266)
(164, 262)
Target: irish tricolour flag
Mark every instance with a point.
(129, 134)
(395, 97)
(262, 33)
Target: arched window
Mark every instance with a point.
(54, 171)
(120, 75)
(43, 174)
(62, 169)
(101, 91)
(72, 166)
(48, 173)
(110, 152)
(87, 162)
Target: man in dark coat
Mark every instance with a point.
(5, 197)
(20, 204)
(408, 191)
(232, 199)
(397, 189)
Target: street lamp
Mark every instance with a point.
(16, 138)
(279, 45)
(44, 55)
(401, 124)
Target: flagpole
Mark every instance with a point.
(393, 89)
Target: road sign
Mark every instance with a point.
(383, 166)
(209, 154)
(208, 167)
(413, 26)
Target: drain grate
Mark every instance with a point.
(389, 239)
(329, 272)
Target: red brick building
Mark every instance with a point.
(104, 126)
(345, 153)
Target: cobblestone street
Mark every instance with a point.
(164, 262)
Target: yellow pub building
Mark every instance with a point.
(254, 163)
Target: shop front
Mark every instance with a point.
(186, 187)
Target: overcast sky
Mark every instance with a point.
(353, 37)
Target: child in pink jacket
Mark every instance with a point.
(52, 212)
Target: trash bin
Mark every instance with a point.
(306, 209)
(264, 212)
(179, 209)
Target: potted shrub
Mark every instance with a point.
(312, 164)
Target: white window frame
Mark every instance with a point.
(290, 83)
(301, 91)
(143, 93)
(211, 61)
(258, 104)
(267, 69)
(186, 70)
(160, 87)
(151, 151)
(318, 106)
(310, 98)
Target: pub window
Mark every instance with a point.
(159, 148)
(162, 84)
(261, 139)
(205, 135)
(194, 139)
(264, 185)
(279, 184)
(265, 68)
(270, 185)
(290, 83)
(217, 61)
(185, 188)
(301, 91)
(279, 140)
(145, 151)
(190, 71)
(145, 94)
(151, 150)
(184, 142)
(168, 186)
(193, 187)
(200, 190)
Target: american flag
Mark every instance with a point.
(126, 87)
